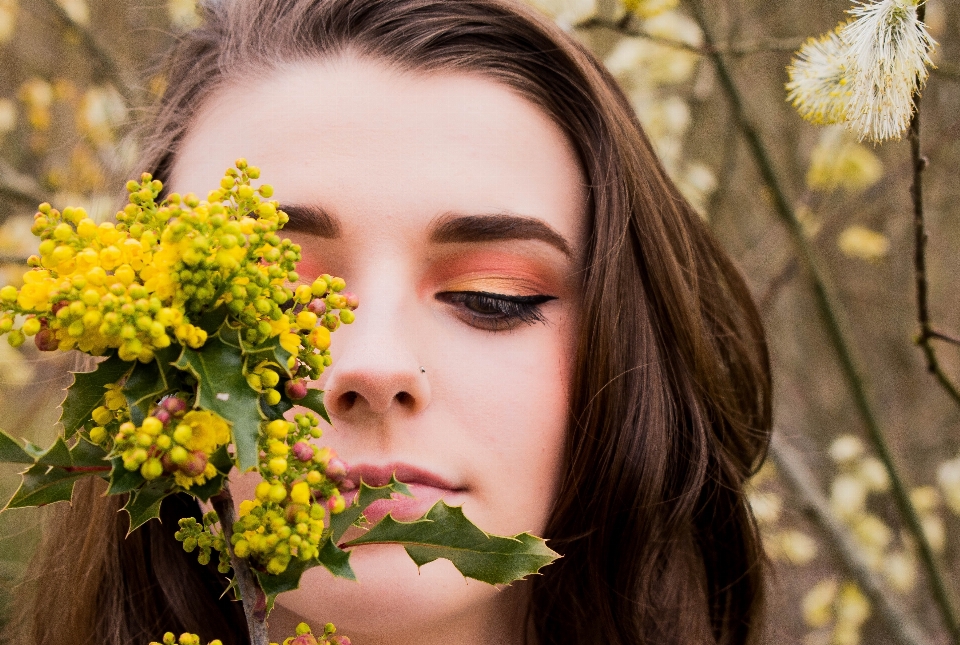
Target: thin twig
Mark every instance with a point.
(947, 338)
(796, 474)
(624, 27)
(252, 596)
(104, 60)
(926, 333)
(831, 319)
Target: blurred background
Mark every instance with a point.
(76, 77)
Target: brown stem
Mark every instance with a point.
(927, 333)
(252, 596)
(841, 345)
(623, 26)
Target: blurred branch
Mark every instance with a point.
(109, 67)
(829, 314)
(625, 28)
(927, 333)
(18, 188)
(796, 474)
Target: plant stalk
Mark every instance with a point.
(830, 317)
(927, 333)
(252, 596)
(793, 468)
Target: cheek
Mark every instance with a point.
(517, 406)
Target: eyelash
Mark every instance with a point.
(503, 312)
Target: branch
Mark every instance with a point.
(831, 319)
(104, 60)
(623, 27)
(927, 334)
(252, 596)
(796, 474)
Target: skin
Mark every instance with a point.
(388, 155)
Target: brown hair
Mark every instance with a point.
(671, 405)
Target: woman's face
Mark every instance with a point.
(423, 191)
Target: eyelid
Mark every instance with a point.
(509, 311)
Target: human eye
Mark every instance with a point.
(496, 311)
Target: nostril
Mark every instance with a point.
(404, 398)
(348, 399)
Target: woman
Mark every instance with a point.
(549, 335)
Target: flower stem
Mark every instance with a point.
(828, 313)
(252, 596)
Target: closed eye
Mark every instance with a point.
(496, 311)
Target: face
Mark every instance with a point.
(455, 209)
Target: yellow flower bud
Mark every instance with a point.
(102, 416)
(98, 434)
(278, 465)
(152, 426)
(278, 428)
(300, 493)
(307, 319)
(272, 396)
(183, 434)
(278, 492)
(8, 293)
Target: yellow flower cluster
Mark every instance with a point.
(304, 636)
(171, 440)
(134, 286)
(285, 520)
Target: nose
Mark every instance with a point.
(375, 372)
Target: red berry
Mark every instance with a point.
(336, 469)
(163, 416)
(317, 306)
(195, 465)
(303, 451)
(296, 389)
(58, 306)
(174, 405)
(304, 639)
(46, 340)
(353, 301)
(167, 463)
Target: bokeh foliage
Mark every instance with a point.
(77, 75)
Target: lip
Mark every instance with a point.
(426, 486)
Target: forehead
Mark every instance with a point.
(360, 137)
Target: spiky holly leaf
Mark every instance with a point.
(445, 532)
(87, 391)
(270, 351)
(367, 495)
(123, 480)
(222, 388)
(314, 401)
(11, 452)
(332, 558)
(44, 485)
(147, 383)
(56, 469)
(144, 503)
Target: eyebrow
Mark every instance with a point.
(449, 228)
(311, 219)
(495, 227)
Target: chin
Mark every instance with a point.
(391, 597)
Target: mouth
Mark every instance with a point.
(426, 487)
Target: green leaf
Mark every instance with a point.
(56, 455)
(147, 383)
(287, 581)
(86, 454)
(222, 388)
(335, 560)
(445, 532)
(270, 351)
(314, 401)
(86, 392)
(44, 485)
(11, 452)
(144, 504)
(209, 488)
(123, 480)
(340, 522)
